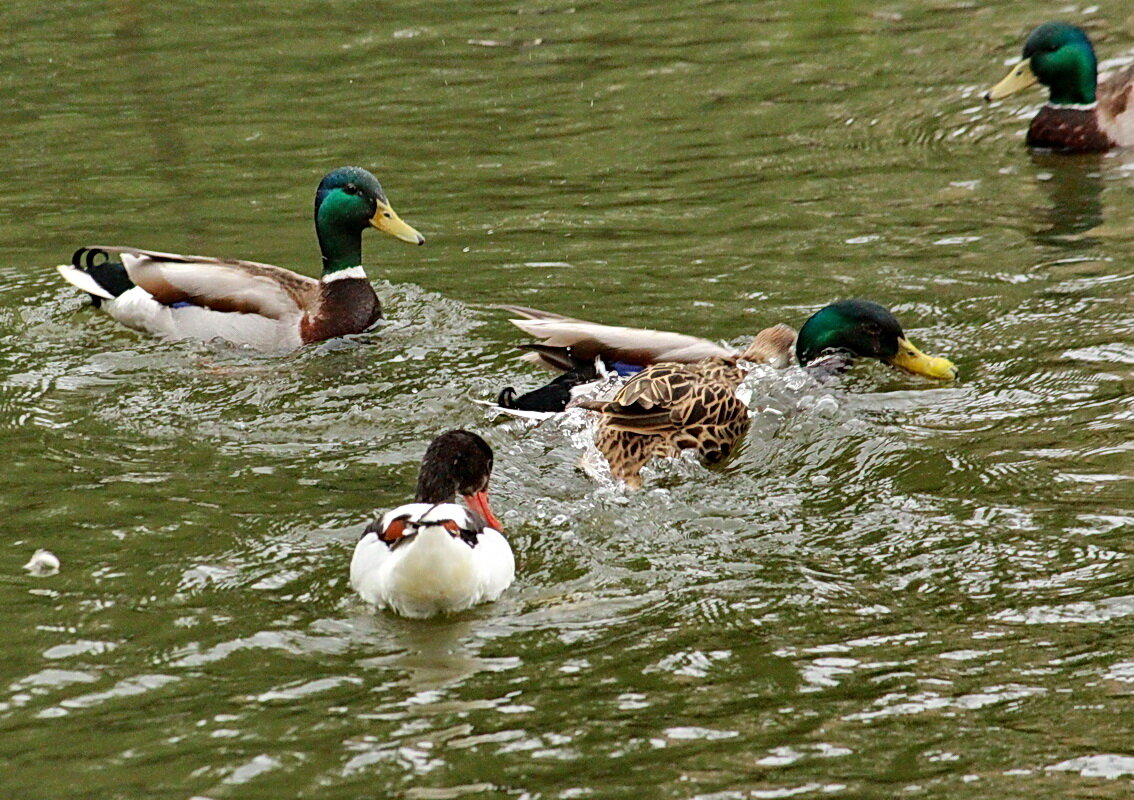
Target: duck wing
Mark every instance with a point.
(535, 313)
(584, 341)
(219, 284)
(656, 400)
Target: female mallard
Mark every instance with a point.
(243, 302)
(1082, 114)
(685, 398)
(432, 555)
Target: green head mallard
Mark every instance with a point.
(244, 302)
(1082, 114)
(685, 396)
(852, 329)
(348, 201)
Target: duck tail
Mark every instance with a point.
(92, 271)
(555, 358)
(553, 396)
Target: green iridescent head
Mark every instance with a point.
(1059, 56)
(863, 329)
(348, 201)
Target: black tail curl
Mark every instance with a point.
(110, 275)
(84, 258)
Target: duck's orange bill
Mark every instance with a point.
(479, 503)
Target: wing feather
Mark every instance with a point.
(588, 340)
(553, 357)
(633, 418)
(653, 401)
(668, 397)
(535, 313)
(219, 284)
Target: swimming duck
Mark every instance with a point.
(1082, 114)
(685, 397)
(432, 555)
(243, 302)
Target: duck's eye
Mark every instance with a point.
(350, 188)
(873, 328)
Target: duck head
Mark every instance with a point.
(1059, 56)
(863, 329)
(348, 201)
(457, 462)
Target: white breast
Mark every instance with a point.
(433, 571)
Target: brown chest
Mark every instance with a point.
(1068, 130)
(344, 307)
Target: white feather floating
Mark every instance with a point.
(43, 563)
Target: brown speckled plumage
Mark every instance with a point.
(671, 407)
(668, 408)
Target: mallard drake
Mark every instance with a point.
(1082, 114)
(685, 397)
(243, 302)
(433, 556)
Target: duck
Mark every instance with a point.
(434, 556)
(684, 395)
(1082, 114)
(246, 303)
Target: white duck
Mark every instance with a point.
(432, 555)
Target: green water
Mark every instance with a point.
(903, 590)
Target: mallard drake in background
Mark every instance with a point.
(1082, 114)
(243, 302)
(685, 397)
(433, 556)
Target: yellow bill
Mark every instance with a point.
(1019, 77)
(388, 221)
(910, 359)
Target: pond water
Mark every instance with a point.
(895, 589)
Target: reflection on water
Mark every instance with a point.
(893, 589)
(432, 656)
(150, 103)
(1073, 190)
